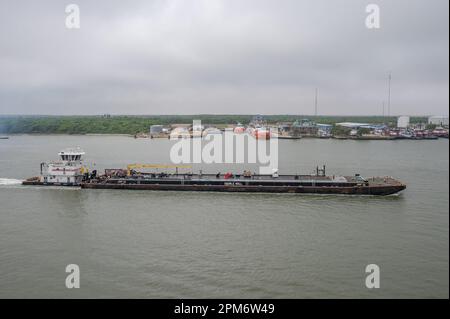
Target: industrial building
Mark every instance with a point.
(156, 129)
(438, 120)
(355, 126)
(305, 127)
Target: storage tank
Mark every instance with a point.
(403, 121)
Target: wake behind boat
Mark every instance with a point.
(10, 181)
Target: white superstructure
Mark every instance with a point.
(69, 170)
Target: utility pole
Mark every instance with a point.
(389, 94)
(315, 103)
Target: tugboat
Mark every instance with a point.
(68, 171)
(258, 128)
(261, 133)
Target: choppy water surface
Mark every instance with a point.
(186, 245)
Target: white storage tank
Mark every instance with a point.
(403, 121)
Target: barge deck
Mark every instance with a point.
(348, 185)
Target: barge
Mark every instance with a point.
(69, 171)
(346, 185)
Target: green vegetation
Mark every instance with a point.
(75, 124)
(340, 131)
(129, 124)
(362, 130)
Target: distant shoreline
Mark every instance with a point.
(131, 125)
(69, 134)
(132, 136)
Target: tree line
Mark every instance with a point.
(121, 124)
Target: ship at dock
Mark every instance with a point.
(69, 171)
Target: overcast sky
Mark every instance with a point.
(223, 56)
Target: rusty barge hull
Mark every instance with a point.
(297, 184)
(352, 190)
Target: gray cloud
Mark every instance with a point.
(229, 56)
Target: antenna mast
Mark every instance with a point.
(389, 94)
(315, 103)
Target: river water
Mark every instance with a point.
(144, 244)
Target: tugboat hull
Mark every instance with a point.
(34, 183)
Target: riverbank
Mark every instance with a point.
(135, 124)
(167, 136)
